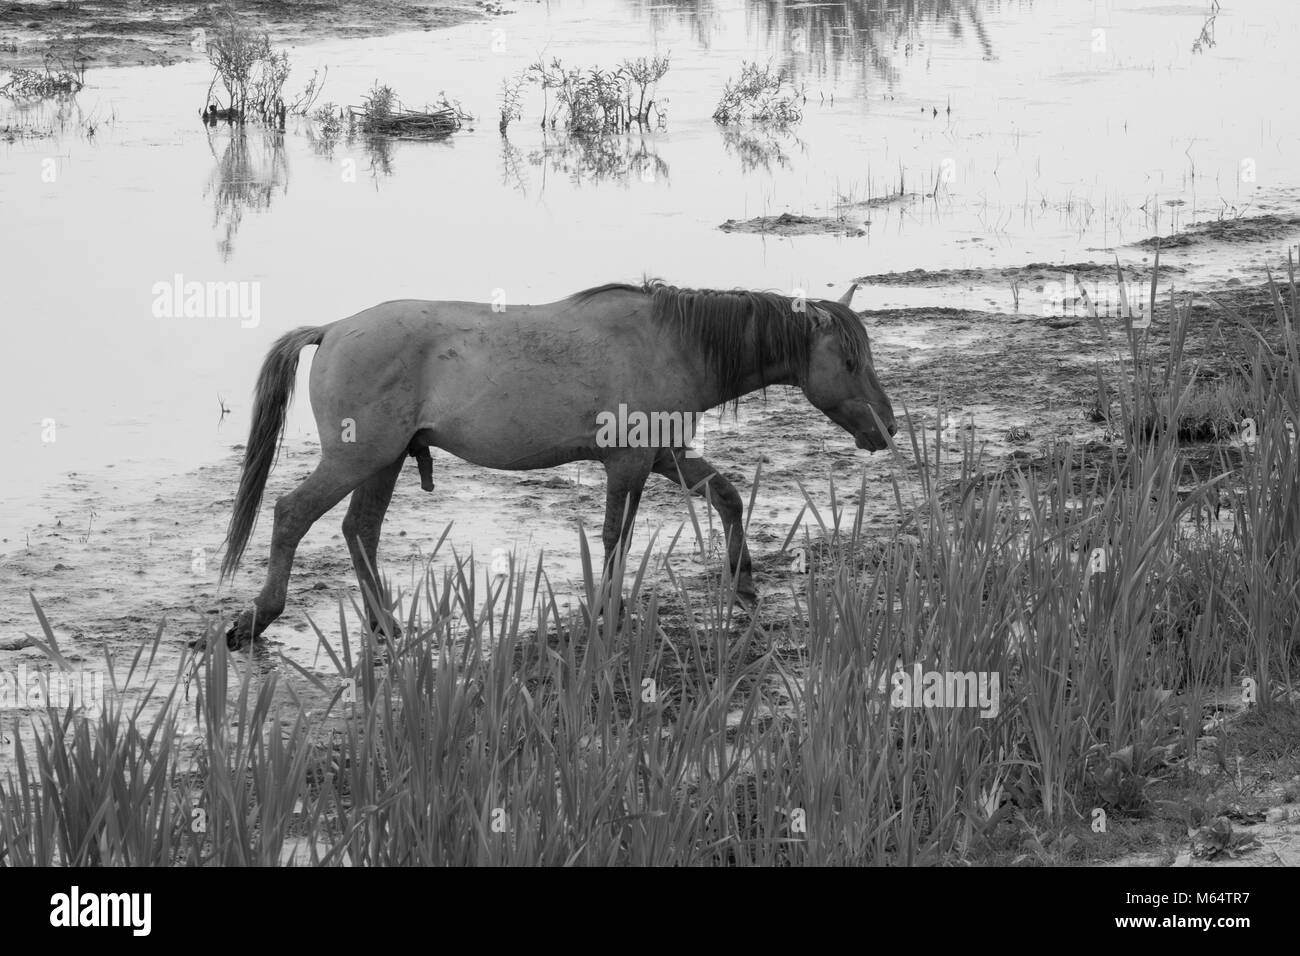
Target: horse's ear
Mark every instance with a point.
(847, 297)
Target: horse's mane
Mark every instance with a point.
(721, 323)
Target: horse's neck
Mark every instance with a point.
(779, 375)
(756, 377)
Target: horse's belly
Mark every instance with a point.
(514, 438)
(504, 409)
(510, 453)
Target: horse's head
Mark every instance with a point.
(841, 377)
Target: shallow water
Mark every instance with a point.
(1063, 143)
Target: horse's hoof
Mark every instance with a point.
(240, 634)
(236, 637)
(747, 597)
(384, 633)
(620, 613)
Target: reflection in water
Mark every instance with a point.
(1206, 38)
(826, 38)
(759, 147)
(585, 159)
(322, 141)
(379, 150)
(41, 119)
(246, 176)
(512, 170)
(329, 129)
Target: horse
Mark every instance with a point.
(524, 387)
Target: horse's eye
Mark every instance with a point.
(850, 365)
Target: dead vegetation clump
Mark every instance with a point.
(41, 85)
(58, 78)
(381, 114)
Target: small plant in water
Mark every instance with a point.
(330, 118)
(58, 78)
(756, 96)
(599, 101)
(235, 51)
(511, 109)
(304, 101)
(252, 74)
(641, 77)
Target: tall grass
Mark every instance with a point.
(672, 729)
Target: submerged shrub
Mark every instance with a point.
(756, 96)
(252, 74)
(44, 84)
(595, 100)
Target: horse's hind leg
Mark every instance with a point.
(294, 514)
(361, 528)
(700, 477)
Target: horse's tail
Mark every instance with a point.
(271, 400)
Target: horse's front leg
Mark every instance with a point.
(625, 475)
(700, 477)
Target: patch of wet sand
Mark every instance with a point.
(1267, 228)
(789, 224)
(1034, 276)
